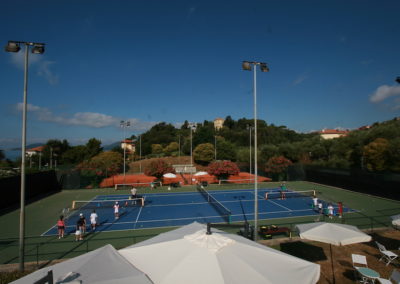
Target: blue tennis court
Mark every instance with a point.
(177, 209)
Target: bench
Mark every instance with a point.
(269, 231)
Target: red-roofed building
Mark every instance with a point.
(218, 123)
(34, 151)
(332, 133)
(128, 145)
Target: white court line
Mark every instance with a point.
(137, 217)
(280, 205)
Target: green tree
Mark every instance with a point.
(277, 167)
(267, 151)
(204, 153)
(74, 155)
(376, 155)
(289, 150)
(171, 148)
(104, 164)
(158, 168)
(156, 149)
(223, 169)
(394, 155)
(53, 151)
(93, 148)
(225, 150)
(229, 122)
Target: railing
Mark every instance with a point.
(39, 249)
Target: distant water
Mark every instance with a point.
(12, 154)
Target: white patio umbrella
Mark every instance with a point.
(189, 255)
(101, 266)
(200, 174)
(396, 220)
(333, 234)
(169, 175)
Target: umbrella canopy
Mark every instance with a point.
(200, 174)
(169, 175)
(396, 220)
(189, 255)
(101, 266)
(332, 233)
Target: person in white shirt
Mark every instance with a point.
(320, 208)
(315, 203)
(93, 220)
(116, 210)
(330, 211)
(133, 192)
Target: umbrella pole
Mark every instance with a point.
(333, 271)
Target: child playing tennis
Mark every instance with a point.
(61, 227)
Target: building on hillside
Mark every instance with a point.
(332, 133)
(128, 145)
(34, 151)
(365, 127)
(218, 123)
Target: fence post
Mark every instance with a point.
(37, 255)
(372, 224)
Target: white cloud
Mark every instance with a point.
(89, 119)
(300, 79)
(45, 71)
(383, 92)
(42, 65)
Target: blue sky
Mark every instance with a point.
(332, 64)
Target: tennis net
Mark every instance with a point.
(222, 210)
(289, 194)
(137, 184)
(93, 204)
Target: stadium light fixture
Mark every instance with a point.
(15, 46)
(248, 66)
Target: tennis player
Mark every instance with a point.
(116, 210)
(330, 211)
(78, 234)
(133, 192)
(315, 202)
(340, 209)
(82, 223)
(61, 227)
(93, 220)
(283, 190)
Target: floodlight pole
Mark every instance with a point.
(191, 143)
(124, 125)
(23, 185)
(140, 153)
(215, 147)
(247, 66)
(37, 48)
(255, 157)
(250, 128)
